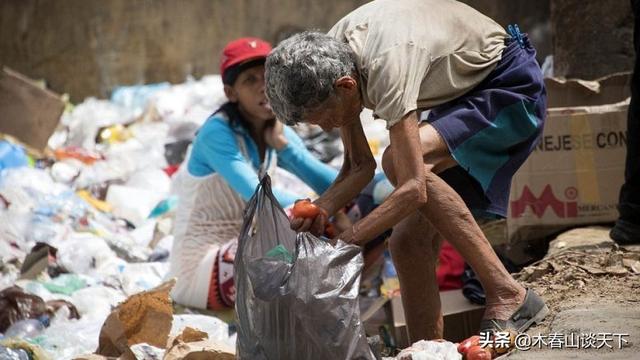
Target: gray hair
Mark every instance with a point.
(301, 71)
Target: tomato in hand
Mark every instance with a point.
(477, 352)
(464, 345)
(305, 209)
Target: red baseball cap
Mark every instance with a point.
(241, 50)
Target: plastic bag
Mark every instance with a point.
(16, 305)
(430, 350)
(299, 307)
(11, 155)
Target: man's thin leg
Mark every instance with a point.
(414, 246)
(446, 210)
(448, 213)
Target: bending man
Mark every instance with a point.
(486, 97)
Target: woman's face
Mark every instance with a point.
(248, 92)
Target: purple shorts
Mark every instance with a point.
(492, 129)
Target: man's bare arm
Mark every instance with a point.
(356, 172)
(411, 191)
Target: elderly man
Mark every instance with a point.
(486, 97)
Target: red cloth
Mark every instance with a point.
(450, 268)
(222, 291)
(171, 169)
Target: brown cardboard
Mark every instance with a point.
(610, 89)
(193, 344)
(188, 335)
(461, 317)
(200, 350)
(142, 318)
(574, 175)
(27, 111)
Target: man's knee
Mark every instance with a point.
(412, 240)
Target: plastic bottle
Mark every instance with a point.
(28, 328)
(390, 284)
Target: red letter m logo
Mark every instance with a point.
(539, 204)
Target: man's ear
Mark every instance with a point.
(347, 83)
(230, 93)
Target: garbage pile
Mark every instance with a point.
(86, 223)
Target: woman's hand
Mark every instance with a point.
(274, 135)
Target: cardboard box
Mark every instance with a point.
(573, 177)
(461, 318)
(27, 111)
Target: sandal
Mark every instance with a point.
(532, 311)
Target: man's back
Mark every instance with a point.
(448, 45)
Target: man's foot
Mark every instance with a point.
(503, 303)
(625, 233)
(531, 311)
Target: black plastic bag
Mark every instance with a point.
(297, 295)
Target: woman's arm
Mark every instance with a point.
(215, 149)
(295, 158)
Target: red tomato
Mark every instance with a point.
(464, 345)
(305, 209)
(478, 353)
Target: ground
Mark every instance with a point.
(591, 286)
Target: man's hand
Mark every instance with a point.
(348, 236)
(307, 216)
(274, 135)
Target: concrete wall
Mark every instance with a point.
(592, 38)
(86, 47)
(532, 16)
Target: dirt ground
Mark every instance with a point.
(605, 274)
(591, 285)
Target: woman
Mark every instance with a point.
(238, 142)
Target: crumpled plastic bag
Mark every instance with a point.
(16, 305)
(297, 295)
(16, 349)
(430, 350)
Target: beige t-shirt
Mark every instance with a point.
(416, 54)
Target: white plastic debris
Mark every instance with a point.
(430, 350)
(132, 203)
